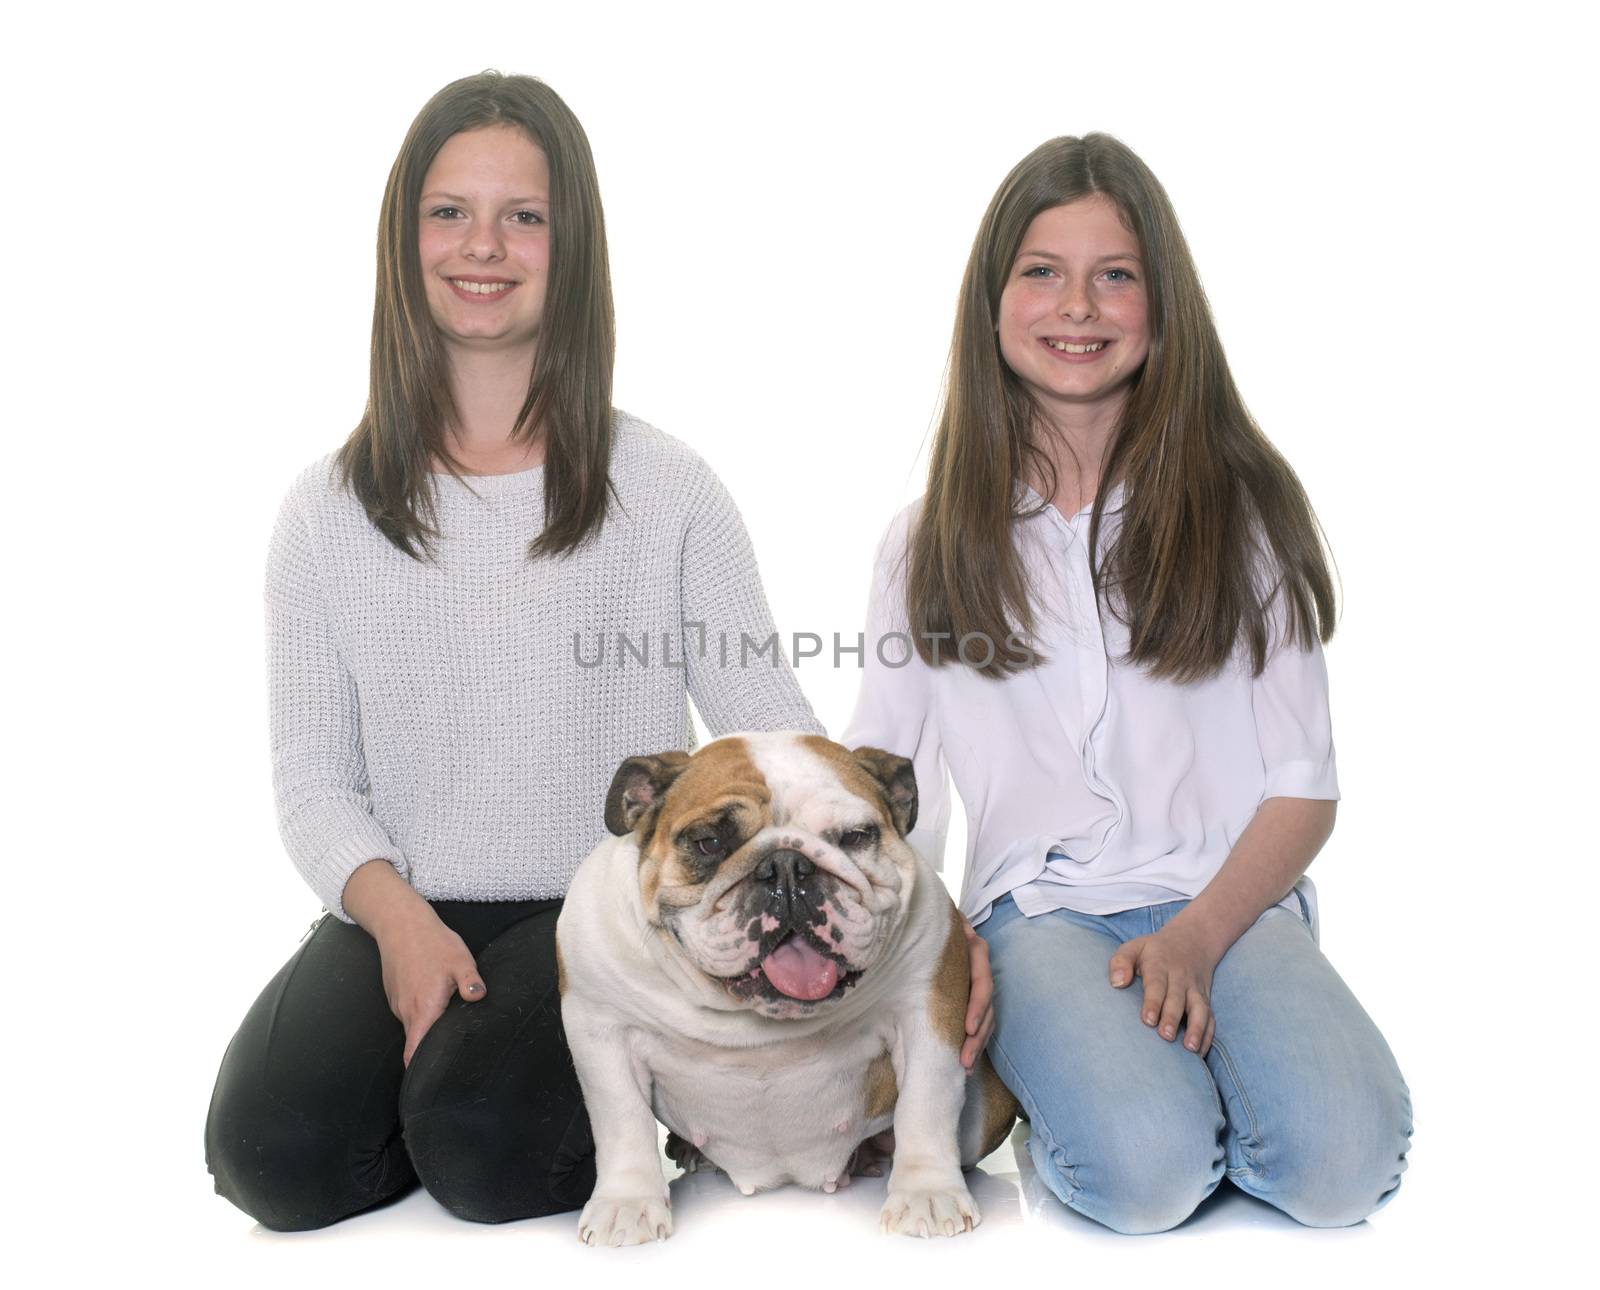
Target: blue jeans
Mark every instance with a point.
(1299, 1100)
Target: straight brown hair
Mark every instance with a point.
(1215, 525)
(387, 459)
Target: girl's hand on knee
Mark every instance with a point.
(1176, 969)
(424, 963)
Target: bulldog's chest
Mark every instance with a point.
(788, 1112)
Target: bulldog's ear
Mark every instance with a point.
(898, 781)
(638, 785)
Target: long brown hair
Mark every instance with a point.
(1215, 525)
(387, 459)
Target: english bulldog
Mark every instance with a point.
(758, 959)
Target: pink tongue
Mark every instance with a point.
(797, 970)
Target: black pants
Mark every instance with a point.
(314, 1118)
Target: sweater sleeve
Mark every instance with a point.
(319, 772)
(895, 707)
(738, 671)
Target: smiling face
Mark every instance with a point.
(1073, 317)
(776, 863)
(484, 238)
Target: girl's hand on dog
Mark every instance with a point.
(980, 999)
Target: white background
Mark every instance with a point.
(1390, 210)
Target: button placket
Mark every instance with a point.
(1093, 668)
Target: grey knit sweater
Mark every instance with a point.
(453, 719)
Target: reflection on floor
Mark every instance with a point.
(707, 1209)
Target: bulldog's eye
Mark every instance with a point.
(855, 839)
(709, 846)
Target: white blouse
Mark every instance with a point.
(1088, 785)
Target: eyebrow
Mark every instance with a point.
(1104, 259)
(510, 201)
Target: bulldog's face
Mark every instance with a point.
(777, 862)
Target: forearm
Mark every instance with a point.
(381, 901)
(1276, 847)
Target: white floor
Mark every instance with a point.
(798, 1237)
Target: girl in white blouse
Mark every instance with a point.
(1102, 620)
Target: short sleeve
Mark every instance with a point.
(1290, 704)
(895, 706)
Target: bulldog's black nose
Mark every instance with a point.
(792, 895)
(784, 866)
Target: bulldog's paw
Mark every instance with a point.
(939, 1212)
(624, 1220)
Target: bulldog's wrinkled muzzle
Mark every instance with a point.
(793, 895)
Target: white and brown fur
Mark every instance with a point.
(659, 949)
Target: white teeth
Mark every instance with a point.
(1076, 349)
(481, 288)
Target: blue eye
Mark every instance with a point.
(1126, 276)
(1036, 269)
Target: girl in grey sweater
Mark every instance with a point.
(497, 590)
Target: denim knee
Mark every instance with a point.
(1336, 1173)
(1136, 1192)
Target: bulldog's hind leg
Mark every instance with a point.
(987, 1115)
(689, 1157)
